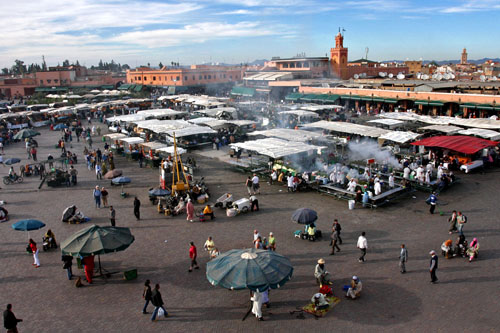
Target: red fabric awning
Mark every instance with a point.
(459, 143)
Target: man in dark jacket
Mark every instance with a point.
(338, 228)
(9, 320)
(137, 206)
(434, 266)
(157, 302)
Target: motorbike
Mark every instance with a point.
(7, 180)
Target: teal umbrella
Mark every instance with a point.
(25, 133)
(249, 269)
(28, 225)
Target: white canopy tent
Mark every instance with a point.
(448, 129)
(399, 136)
(154, 145)
(391, 123)
(115, 136)
(300, 113)
(161, 113)
(192, 130)
(350, 128)
(170, 150)
(486, 123)
(316, 108)
(132, 140)
(276, 148)
(483, 133)
(288, 134)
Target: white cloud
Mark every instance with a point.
(473, 6)
(197, 33)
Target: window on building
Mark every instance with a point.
(56, 80)
(205, 77)
(185, 78)
(224, 75)
(41, 81)
(209, 77)
(177, 78)
(166, 78)
(285, 65)
(49, 80)
(144, 79)
(306, 65)
(200, 77)
(230, 77)
(194, 77)
(292, 65)
(159, 78)
(299, 65)
(154, 78)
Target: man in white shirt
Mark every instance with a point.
(256, 235)
(289, 181)
(406, 173)
(255, 184)
(362, 246)
(378, 187)
(391, 180)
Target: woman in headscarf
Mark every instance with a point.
(473, 249)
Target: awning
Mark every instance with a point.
(483, 133)
(132, 140)
(125, 86)
(366, 98)
(108, 86)
(422, 102)
(390, 100)
(458, 143)
(243, 91)
(293, 96)
(485, 107)
(436, 103)
(378, 99)
(468, 106)
(138, 87)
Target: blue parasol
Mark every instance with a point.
(120, 180)
(11, 161)
(60, 127)
(158, 192)
(249, 269)
(28, 225)
(304, 216)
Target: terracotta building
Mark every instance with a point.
(193, 76)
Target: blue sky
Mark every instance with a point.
(233, 31)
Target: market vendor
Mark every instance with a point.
(319, 302)
(209, 212)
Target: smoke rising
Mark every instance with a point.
(366, 149)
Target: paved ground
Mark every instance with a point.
(466, 297)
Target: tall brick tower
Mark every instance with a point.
(463, 60)
(338, 58)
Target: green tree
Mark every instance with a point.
(5, 71)
(44, 64)
(160, 65)
(66, 63)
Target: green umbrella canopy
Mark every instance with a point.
(25, 133)
(249, 269)
(96, 240)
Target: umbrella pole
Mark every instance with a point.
(249, 308)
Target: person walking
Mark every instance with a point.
(97, 197)
(9, 320)
(255, 184)
(254, 203)
(209, 245)
(157, 301)
(67, 265)
(272, 242)
(98, 171)
(73, 172)
(104, 196)
(146, 295)
(433, 266)
(112, 216)
(453, 222)
(137, 207)
(249, 185)
(461, 220)
(362, 246)
(333, 241)
(190, 210)
(33, 153)
(88, 267)
(34, 250)
(338, 228)
(432, 200)
(192, 255)
(403, 259)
